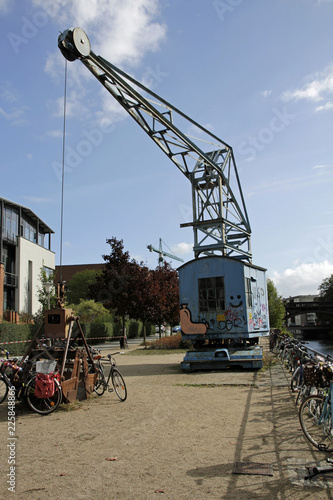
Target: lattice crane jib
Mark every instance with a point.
(220, 221)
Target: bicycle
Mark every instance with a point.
(315, 416)
(103, 383)
(22, 383)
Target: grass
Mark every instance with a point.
(147, 351)
(269, 360)
(74, 405)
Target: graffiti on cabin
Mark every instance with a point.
(187, 325)
(258, 319)
(233, 316)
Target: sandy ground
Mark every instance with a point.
(177, 436)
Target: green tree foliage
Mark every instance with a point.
(78, 288)
(43, 298)
(90, 311)
(326, 295)
(326, 289)
(275, 305)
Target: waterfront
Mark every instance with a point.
(323, 345)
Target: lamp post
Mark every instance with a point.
(47, 287)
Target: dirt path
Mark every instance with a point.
(177, 436)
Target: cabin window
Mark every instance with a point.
(248, 291)
(211, 294)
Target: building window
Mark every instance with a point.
(41, 239)
(10, 224)
(211, 294)
(29, 231)
(248, 291)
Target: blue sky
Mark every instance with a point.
(258, 74)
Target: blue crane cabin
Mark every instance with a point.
(222, 298)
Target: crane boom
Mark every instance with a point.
(162, 253)
(220, 221)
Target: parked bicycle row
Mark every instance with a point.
(38, 383)
(312, 380)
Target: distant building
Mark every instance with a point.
(302, 319)
(66, 273)
(25, 248)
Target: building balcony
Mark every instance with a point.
(9, 237)
(10, 280)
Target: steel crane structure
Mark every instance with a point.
(223, 296)
(162, 253)
(220, 221)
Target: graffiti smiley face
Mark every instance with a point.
(236, 302)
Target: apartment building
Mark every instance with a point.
(25, 248)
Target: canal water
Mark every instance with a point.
(323, 345)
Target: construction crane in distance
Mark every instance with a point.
(162, 254)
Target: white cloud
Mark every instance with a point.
(328, 105)
(303, 279)
(182, 248)
(16, 116)
(4, 6)
(322, 167)
(317, 88)
(56, 134)
(74, 106)
(265, 93)
(122, 31)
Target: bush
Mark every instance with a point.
(133, 329)
(95, 331)
(14, 333)
(172, 342)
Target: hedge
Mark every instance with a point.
(12, 333)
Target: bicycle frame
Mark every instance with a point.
(328, 406)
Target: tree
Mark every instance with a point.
(326, 289)
(143, 294)
(114, 286)
(275, 304)
(90, 311)
(78, 288)
(166, 302)
(326, 295)
(46, 301)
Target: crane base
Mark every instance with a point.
(220, 359)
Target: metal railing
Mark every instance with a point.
(11, 280)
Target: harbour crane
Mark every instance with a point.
(223, 296)
(162, 253)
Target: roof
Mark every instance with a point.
(29, 213)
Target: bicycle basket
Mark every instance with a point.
(316, 375)
(46, 366)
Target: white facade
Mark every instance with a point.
(30, 258)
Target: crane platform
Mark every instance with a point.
(220, 359)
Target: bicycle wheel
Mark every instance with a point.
(318, 432)
(3, 389)
(100, 385)
(119, 384)
(43, 406)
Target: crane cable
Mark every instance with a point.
(63, 171)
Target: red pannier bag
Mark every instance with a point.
(44, 385)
